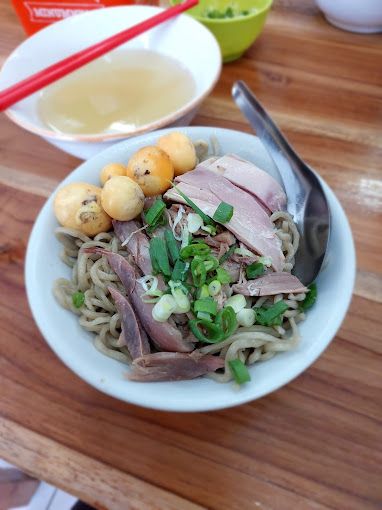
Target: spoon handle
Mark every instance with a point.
(287, 161)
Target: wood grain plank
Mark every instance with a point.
(85, 476)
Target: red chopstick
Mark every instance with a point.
(41, 79)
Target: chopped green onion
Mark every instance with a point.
(207, 305)
(180, 296)
(185, 237)
(214, 288)
(205, 316)
(158, 253)
(198, 272)
(207, 220)
(205, 331)
(271, 316)
(254, 270)
(223, 213)
(164, 308)
(237, 302)
(180, 271)
(246, 317)
(211, 263)
(78, 299)
(226, 320)
(210, 229)
(155, 212)
(191, 250)
(223, 276)
(239, 371)
(202, 292)
(227, 254)
(172, 246)
(311, 297)
(154, 262)
(194, 222)
(267, 261)
(244, 252)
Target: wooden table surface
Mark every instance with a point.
(316, 443)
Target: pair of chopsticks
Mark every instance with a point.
(69, 64)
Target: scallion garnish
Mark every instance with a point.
(210, 263)
(227, 254)
(192, 250)
(202, 292)
(180, 271)
(207, 220)
(155, 211)
(158, 253)
(223, 213)
(172, 246)
(311, 297)
(254, 270)
(226, 320)
(223, 276)
(198, 272)
(206, 331)
(154, 216)
(78, 299)
(239, 371)
(271, 316)
(206, 305)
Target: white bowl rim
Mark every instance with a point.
(233, 399)
(107, 137)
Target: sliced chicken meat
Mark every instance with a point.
(174, 366)
(249, 177)
(249, 223)
(138, 244)
(133, 334)
(164, 334)
(271, 284)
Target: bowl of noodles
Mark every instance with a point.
(232, 326)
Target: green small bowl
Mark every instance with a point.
(237, 34)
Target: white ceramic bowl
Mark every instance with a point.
(363, 16)
(201, 57)
(74, 346)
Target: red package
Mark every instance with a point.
(37, 14)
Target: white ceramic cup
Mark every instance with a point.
(363, 16)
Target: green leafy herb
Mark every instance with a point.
(223, 213)
(172, 246)
(159, 256)
(78, 299)
(271, 316)
(239, 371)
(227, 254)
(207, 220)
(254, 270)
(206, 305)
(310, 297)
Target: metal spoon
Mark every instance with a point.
(307, 203)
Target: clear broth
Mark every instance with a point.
(117, 93)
